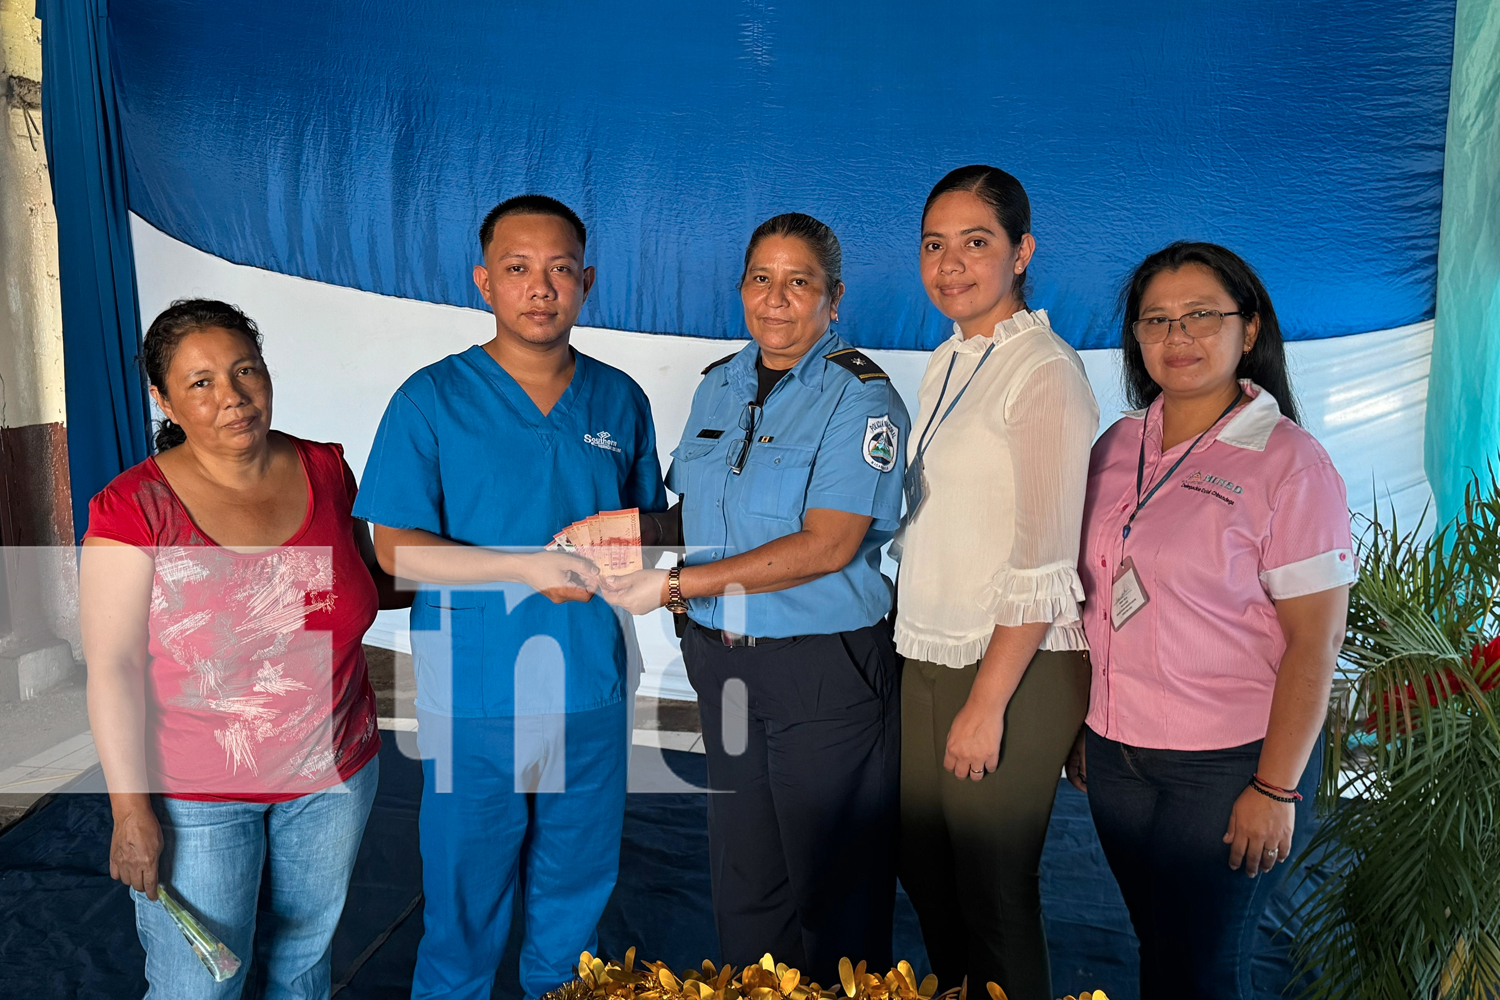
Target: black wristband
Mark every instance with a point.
(1272, 795)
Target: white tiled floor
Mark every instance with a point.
(51, 769)
(691, 742)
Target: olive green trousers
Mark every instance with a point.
(971, 850)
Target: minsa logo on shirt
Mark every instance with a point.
(602, 440)
(1202, 482)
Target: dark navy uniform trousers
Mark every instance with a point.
(803, 738)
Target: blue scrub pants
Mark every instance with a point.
(560, 841)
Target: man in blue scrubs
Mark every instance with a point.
(521, 675)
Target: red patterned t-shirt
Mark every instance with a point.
(257, 688)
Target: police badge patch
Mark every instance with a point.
(881, 437)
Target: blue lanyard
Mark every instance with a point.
(1140, 465)
(925, 440)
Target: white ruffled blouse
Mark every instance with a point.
(995, 541)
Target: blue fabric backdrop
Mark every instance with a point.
(108, 418)
(359, 143)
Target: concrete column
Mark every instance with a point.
(38, 606)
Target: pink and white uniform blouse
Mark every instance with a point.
(1256, 514)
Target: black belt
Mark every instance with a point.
(733, 639)
(730, 639)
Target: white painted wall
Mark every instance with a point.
(337, 355)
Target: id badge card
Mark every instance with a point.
(1129, 595)
(914, 488)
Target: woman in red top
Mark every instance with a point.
(225, 593)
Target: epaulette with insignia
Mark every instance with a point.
(721, 361)
(857, 363)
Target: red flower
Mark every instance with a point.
(1484, 660)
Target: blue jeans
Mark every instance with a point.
(214, 855)
(1161, 816)
(534, 801)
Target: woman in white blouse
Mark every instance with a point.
(995, 685)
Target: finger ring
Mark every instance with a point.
(1273, 852)
(976, 770)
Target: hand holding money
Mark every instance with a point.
(611, 540)
(639, 593)
(561, 577)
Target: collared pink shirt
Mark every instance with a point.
(1255, 514)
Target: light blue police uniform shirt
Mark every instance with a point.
(463, 452)
(827, 438)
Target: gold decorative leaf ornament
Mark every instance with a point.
(766, 980)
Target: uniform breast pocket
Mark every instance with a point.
(689, 462)
(777, 481)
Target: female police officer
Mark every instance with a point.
(789, 474)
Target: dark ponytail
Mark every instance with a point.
(1265, 364)
(1006, 198)
(181, 318)
(818, 237)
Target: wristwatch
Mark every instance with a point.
(675, 601)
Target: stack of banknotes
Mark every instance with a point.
(611, 540)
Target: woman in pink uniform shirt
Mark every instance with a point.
(1216, 563)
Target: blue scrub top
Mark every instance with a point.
(463, 452)
(827, 438)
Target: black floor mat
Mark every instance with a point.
(67, 930)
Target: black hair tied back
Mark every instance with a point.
(818, 237)
(1002, 193)
(167, 331)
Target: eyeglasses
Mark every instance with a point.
(739, 450)
(1197, 324)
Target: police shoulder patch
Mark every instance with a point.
(722, 361)
(882, 442)
(853, 361)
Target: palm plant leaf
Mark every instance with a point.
(1412, 775)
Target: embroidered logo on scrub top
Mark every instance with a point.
(602, 440)
(1201, 482)
(881, 437)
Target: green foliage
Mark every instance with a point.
(1411, 785)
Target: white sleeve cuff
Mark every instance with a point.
(1050, 594)
(1309, 576)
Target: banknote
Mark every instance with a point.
(610, 540)
(618, 546)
